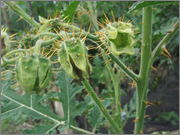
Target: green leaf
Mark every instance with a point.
(7, 105)
(95, 117)
(10, 113)
(45, 110)
(30, 104)
(70, 11)
(24, 100)
(39, 129)
(69, 90)
(142, 4)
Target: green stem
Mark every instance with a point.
(165, 40)
(142, 84)
(49, 34)
(117, 101)
(5, 60)
(125, 69)
(77, 29)
(100, 105)
(80, 130)
(115, 77)
(22, 13)
(93, 13)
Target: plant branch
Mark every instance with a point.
(115, 77)
(5, 60)
(80, 130)
(77, 29)
(56, 125)
(145, 66)
(165, 40)
(124, 68)
(100, 105)
(22, 13)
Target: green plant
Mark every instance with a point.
(171, 117)
(68, 45)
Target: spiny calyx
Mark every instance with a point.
(121, 37)
(33, 73)
(74, 59)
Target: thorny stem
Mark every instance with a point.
(142, 84)
(5, 60)
(115, 80)
(124, 68)
(77, 29)
(100, 105)
(165, 40)
(22, 13)
(147, 58)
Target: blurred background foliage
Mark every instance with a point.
(164, 80)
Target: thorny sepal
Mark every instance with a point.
(74, 59)
(33, 73)
(121, 37)
(6, 40)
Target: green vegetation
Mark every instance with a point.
(64, 63)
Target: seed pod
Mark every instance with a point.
(121, 37)
(33, 73)
(73, 58)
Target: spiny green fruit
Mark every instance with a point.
(33, 73)
(121, 36)
(6, 40)
(73, 58)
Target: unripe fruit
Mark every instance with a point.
(73, 58)
(121, 36)
(33, 73)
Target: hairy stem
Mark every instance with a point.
(5, 60)
(100, 105)
(93, 13)
(22, 13)
(165, 40)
